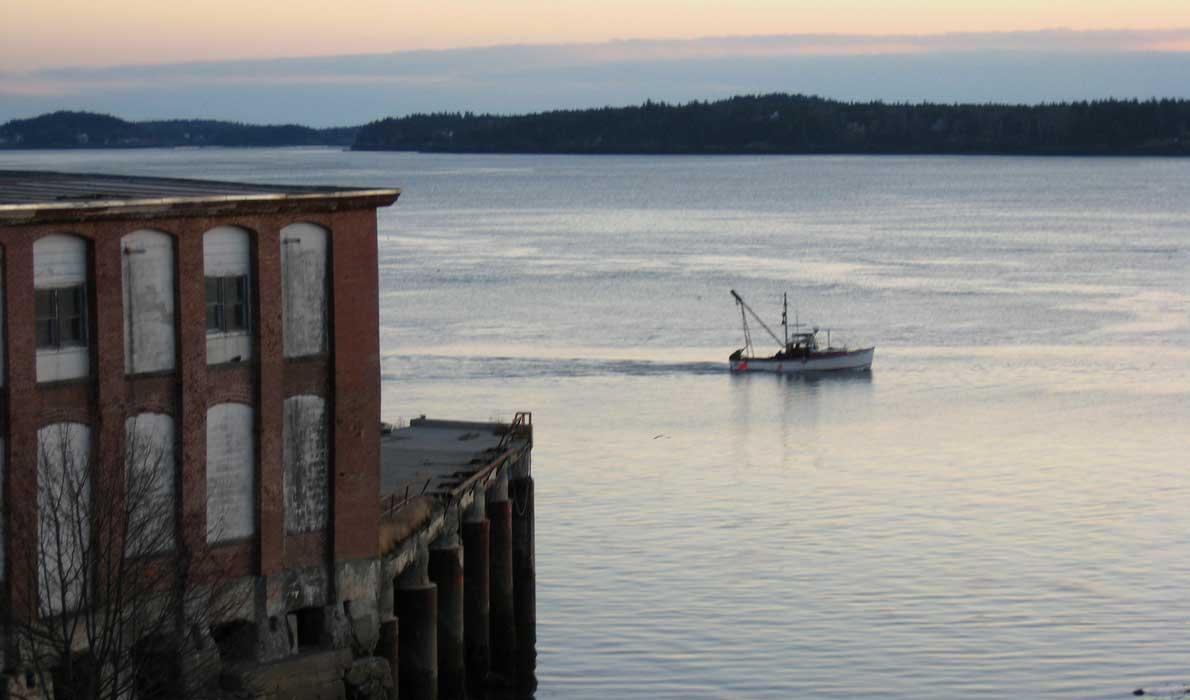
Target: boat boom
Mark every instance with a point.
(739, 300)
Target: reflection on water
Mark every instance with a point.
(798, 382)
(796, 399)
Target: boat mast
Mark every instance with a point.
(744, 307)
(785, 317)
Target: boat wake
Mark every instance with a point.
(400, 368)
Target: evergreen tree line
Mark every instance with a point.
(776, 123)
(783, 123)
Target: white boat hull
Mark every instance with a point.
(829, 362)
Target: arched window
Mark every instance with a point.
(304, 289)
(231, 472)
(304, 459)
(63, 515)
(149, 463)
(61, 291)
(227, 263)
(148, 272)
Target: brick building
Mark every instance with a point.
(236, 323)
(233, 328)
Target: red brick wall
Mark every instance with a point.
(347, 378)
(355, 420)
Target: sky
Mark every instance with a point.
(57, 33)
(345, 63)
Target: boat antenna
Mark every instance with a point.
(744, 307)
(785, 316)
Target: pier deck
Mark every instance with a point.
(457, 545)
(442, 458)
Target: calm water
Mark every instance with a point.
(998, 511)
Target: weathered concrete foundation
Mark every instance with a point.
(417, 611)
(388, 648)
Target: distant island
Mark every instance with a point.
(798, 124)
(90, 130)
(754, 124)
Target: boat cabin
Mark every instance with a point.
(800, 345)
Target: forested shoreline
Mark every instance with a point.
(797, 124)
(755, 124)
(90, 130)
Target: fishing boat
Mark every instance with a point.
(799, 351)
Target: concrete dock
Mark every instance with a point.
(457, 544)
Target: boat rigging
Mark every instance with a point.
(798, 353)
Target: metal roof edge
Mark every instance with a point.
(394, 193)
(215, 205)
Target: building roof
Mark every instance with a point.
(36, 196)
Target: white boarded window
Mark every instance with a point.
(63, 515)
(149, 463)
(304, 457)
(60, 294)
(227, 263)
(304, 289)
(148, 271)
(231, 472)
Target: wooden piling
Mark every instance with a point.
(524, 580)
(417, 611)
(503, 606)
(476, 605)
(446, 572)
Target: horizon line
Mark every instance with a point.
(659, 102)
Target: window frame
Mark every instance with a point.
(231, 291)
(55, 318)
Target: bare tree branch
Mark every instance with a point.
(119, 603)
